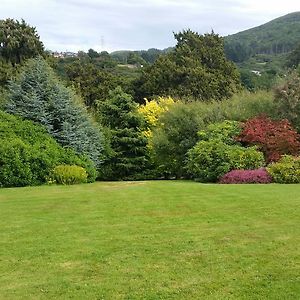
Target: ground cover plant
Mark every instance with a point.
(150, 240)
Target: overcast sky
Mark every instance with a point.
(137, 24)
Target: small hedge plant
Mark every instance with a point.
(247, 176)
(209, 160)
(286, 170)
(66, 174)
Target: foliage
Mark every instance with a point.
(149, 56)
(277, 36)
(287, 99)
(128, 156)
(39, 96)
(176, 130)
(92, 83)
(246, 176)
(197, 68)
(209, 160)
(66, 174)
(28, 153)
(286, 170)
(174, 135)
(18, 41)
(151, 110)
(225, 132)
(265, 80)
(293, 58)
(274, 138)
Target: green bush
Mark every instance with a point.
(28, 153)
(209, 160)
(174, 135)
(225, 132)
(286, 170)
(66, 174)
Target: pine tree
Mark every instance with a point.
(127, 141)
(39, 96)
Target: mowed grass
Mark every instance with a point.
(150, 240)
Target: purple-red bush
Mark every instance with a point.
(246, 176)
(274, 138)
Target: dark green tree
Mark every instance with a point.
(93, 54)
(197, 69)
(128, 144)
(90, 82)
(293, 58)
(18, 41)
(38, 95)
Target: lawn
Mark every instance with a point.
(150, 240)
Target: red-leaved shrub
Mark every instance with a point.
(274, 138)
(247, 176)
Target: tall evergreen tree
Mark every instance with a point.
(197, 68)
(128, 144)
(18, 41)
(38, 95)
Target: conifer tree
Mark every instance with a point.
(128, 143)
(38, 95)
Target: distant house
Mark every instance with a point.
(258, 73)
(63, 54)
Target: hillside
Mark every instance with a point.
(278, 36)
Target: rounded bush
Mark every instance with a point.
(66, 174)
(286, 170)
(209, 160)
(246, 176)
(28, 153)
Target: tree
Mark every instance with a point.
(93, 54)
(18, 41)
(293, 58)
(128, 144)
(197, 68)
(90, 82)
(38, 95)
(287, 99)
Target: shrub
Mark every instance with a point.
(225, 132)
(286, 170)
(66, 174)
(209, 160)
(174, 135)
(28, 153)
(274, 138)
(246, 176)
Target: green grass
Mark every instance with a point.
(150, 240)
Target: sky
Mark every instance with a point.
(109, 25)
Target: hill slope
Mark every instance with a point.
(278, 36)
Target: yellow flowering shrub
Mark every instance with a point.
(153, 109)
